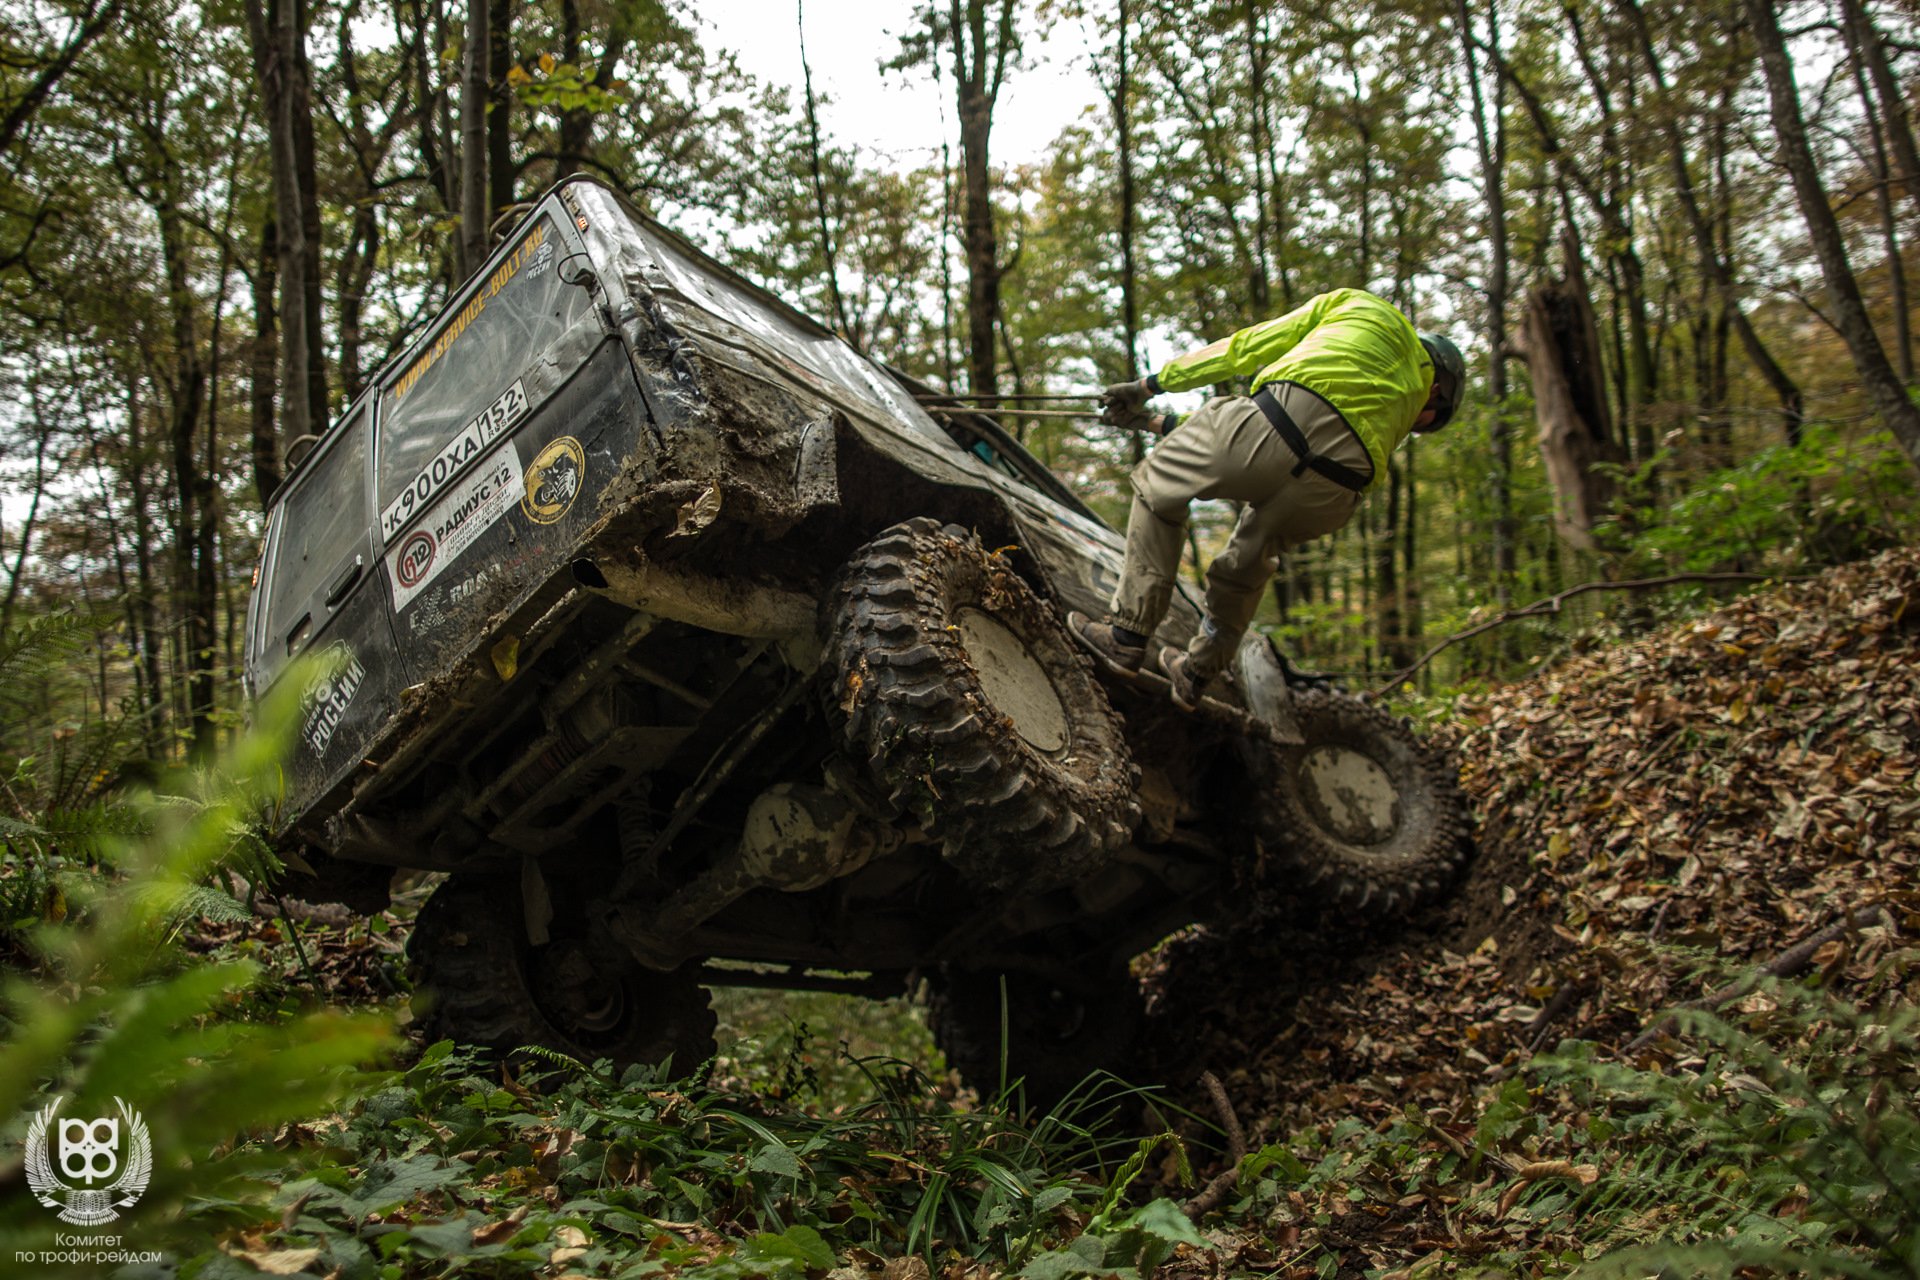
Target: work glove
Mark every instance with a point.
(1124, 404)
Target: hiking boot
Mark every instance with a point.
(1103, 639)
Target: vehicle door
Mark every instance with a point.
(496, 436)
(320, 597)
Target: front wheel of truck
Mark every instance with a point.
(479, 981)
(977, 713)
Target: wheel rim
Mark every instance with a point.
(582, 1003)
(1350, 795)
(1013, 680)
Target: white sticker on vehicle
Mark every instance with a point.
(327, 701)
(462, 449)
(452, 525)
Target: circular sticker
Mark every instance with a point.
(416, 557)
(553, 481)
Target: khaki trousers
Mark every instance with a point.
(1229, 450)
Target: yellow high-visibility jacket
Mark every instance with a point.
(1354, 349)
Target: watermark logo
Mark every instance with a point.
(89, 1152)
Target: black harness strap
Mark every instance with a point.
(1289, 431)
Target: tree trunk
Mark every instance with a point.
(300, 85)
(1877, 375)
(1493, 163)
(500, 118)
(1386, 549)
(1792, 405)
(1893, 103)
(1883, 200)
(189, 392)
(274, 32)
(357, 267)
(1259, 288)
(819, 182)
(979, 65)
(266, 353)
(1129, 304)
(427, 102)
(144, 620)
(42, 434)
(474, 240)
(1561, 341)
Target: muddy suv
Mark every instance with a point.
(699, 649)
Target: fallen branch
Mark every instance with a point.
(1215, 1192)
(1564, 999)
(1553, 604)
(1785, 965)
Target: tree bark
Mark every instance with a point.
(819, 182)
(576, 125)
(500, 119)
(1492, 145)
(1883, 200)
(1561, 341)
(1792, 406)
(42, 435)
(273, 35)
(1888, 396)
(143, 605)
(1386, 550)
(300, 85)
(266, 353)
(92, 24)
(189, 392)
(1893, 103)
(1636, 381)
(474, 240)
(979, 66)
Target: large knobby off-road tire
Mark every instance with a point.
(976, 711)
(1363, 813)
(1056, 1035)
(478, 981)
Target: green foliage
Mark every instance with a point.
(1782, 509)
(116, 1015)
(1793, 1146)
(642, 1174)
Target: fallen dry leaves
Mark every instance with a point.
(1728, 786)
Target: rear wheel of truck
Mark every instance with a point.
(1363, 812)
(1057, 1035)
(977, 713)
(480, 982)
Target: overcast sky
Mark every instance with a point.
(901, 115)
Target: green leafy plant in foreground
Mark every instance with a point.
(114, 1013)
(1792, 1146)
(450, 1166)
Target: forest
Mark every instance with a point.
(1674, 242)
(1623, 190)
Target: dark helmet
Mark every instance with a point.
(1450, 371)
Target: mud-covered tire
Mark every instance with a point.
(1055, 1038)
(475, 984)
(1363, 813)
(1037, 798)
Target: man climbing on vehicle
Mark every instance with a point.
(1336, 386)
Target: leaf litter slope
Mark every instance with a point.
(1654, 818)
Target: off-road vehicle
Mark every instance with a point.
(700, 649)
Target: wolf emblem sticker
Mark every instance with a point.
(90, 1152)
(553, 481)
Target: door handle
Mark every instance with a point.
(343, 584)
